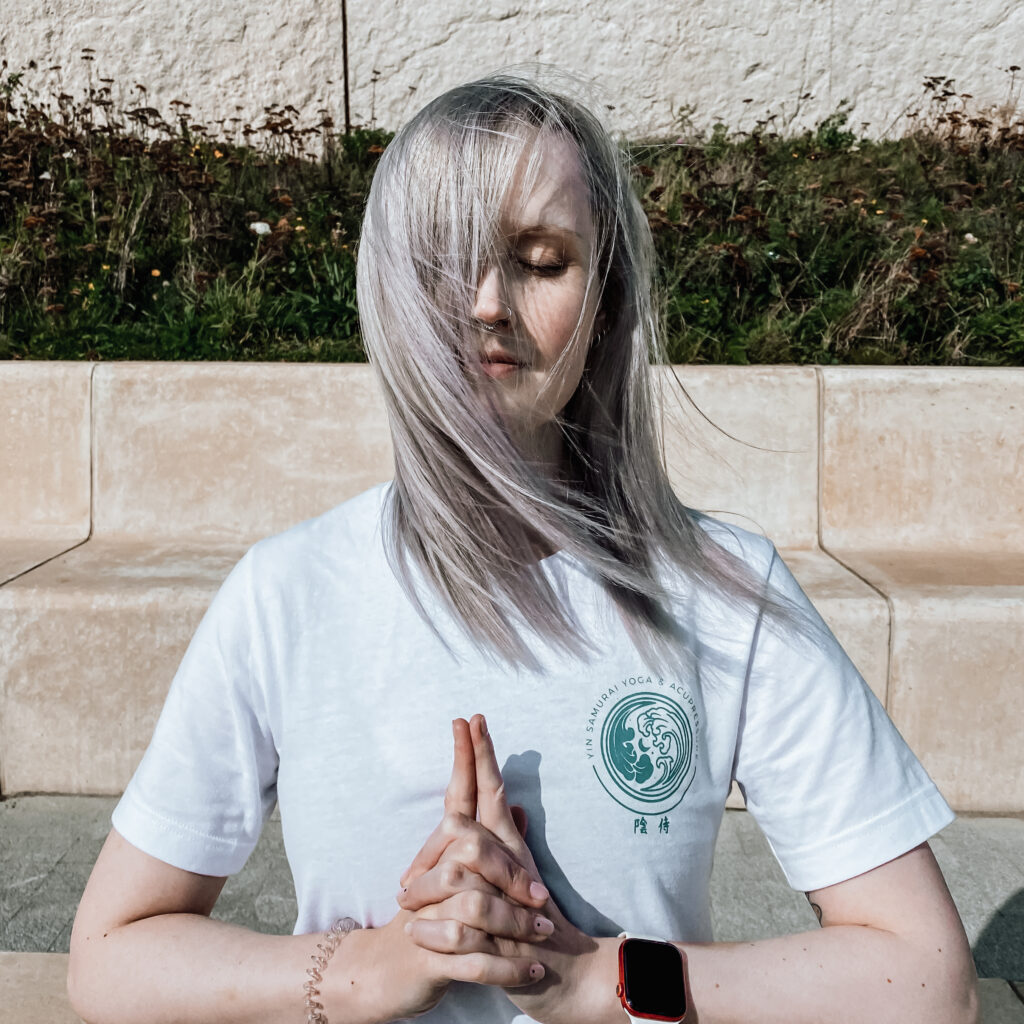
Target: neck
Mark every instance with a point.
(544, 450)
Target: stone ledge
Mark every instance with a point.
(927, 613)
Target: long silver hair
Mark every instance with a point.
(466, 511)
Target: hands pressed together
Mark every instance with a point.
(474, 907)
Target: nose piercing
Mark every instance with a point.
(492, 327)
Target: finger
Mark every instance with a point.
(463, 925)
(442, 882)
(476, 852)
(449, 936)
(497, 917)
(485, 969)
(451, 827)
(491, 803)
(460, 797)
(490, 914)
(521, 818)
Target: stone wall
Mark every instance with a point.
(736, 61)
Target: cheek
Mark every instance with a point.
(552, 318)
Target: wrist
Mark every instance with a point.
(366, 980)
(598, 1002)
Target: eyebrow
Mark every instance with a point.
(544, 230)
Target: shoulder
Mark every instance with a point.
(345, 533)
(338, 547)
(698, 598)
(755, 550)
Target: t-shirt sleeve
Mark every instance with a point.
(825, 773)
(208, 779)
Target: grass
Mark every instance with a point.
(125, 235)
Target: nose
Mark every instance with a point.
(490, 307)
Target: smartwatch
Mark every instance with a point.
(652, 979)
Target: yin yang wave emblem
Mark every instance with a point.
(647, 753)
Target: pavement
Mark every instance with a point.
(48, 845)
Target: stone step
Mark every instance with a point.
(48, 845)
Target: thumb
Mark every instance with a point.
(521, 819)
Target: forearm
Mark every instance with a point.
(842, 973)
(186, 967)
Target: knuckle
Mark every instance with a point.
(476, 967)
(455, 933)
(451, 875)
(471, 848)
(475, 903)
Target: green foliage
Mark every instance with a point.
(127, 236)
(832, 134)
(823, 249)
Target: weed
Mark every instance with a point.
(128, 234)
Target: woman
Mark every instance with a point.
(529, 560)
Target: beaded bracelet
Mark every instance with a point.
(338, 931)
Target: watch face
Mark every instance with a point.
(652, 978)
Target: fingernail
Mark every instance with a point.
(483, 726)
(408, 927)
(401, 892)
(543, 925)
(538, 892)
(536, 971)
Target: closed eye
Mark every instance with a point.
(542, 269)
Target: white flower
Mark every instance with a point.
(261, 227)
(45, 176)
(68, 154)
(970, 239)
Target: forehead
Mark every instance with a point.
(557, 194)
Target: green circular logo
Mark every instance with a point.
(647, 753)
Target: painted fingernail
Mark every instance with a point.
(543, 925)
(538, 892)
(536, 971)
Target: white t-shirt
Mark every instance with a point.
(312, 681)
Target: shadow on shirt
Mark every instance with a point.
(522, 784)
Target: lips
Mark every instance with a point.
(499, 369)
(499, 356)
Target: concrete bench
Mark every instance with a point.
(44, 462)
(922, 496)
(193, 462)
